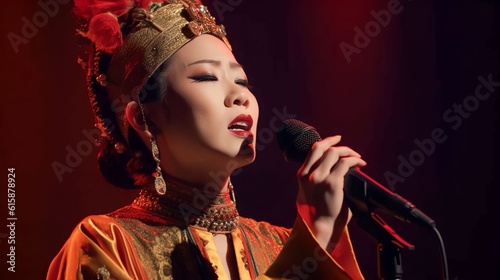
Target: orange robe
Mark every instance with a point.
(131, 243)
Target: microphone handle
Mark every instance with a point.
(367, 194)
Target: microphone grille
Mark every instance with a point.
(295, 139)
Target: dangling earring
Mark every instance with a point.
(231, 189)
(160, 185)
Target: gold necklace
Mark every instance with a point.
(215, 213)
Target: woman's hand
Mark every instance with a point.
(321, 183)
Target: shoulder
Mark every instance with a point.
(119, 225)
(98, 242)
(100, 221)
(134, 214)
(94, 228)
(108, 225)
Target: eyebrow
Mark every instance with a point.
(216, 62)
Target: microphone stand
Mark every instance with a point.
(390, 265)
(389, 261)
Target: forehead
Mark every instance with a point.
(203, 47)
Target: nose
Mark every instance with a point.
(237, 96)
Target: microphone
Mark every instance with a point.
(296, 138)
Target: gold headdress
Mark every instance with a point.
(157, 36)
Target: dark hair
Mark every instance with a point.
(132, 168)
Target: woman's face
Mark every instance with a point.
(209, 117)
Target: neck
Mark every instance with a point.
(207, 186)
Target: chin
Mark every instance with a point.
(247, 150)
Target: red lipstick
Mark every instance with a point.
(241, 125)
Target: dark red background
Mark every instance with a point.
(395, 91)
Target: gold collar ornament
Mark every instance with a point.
(215, 213)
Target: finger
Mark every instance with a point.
(317, 151)
(344, 164)
(329, 160)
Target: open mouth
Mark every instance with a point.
(241, 125)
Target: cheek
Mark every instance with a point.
(209, 119)
(255, 110)
(179, 106)
(194, 115)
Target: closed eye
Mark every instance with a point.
(204, 78)
(244, 83)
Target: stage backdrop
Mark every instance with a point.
(411, 85)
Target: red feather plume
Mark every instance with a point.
(143, 3)
(116, 7)
(103, 17)
(104, 30)
(87, 9)
(83, 9)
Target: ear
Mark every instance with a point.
(135, 119)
